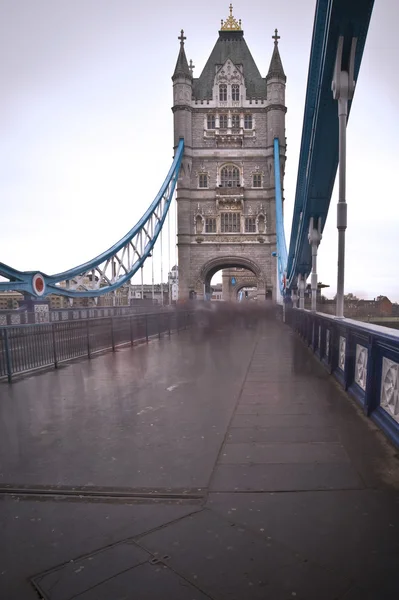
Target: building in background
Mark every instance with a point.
(173, 283)
(10, 300)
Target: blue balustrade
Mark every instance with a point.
(363, 358)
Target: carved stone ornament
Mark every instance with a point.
(261, 223)
(229, 203)
(389, 398)
(361, 366)
(327, 344)
(342, 352)
(224, 238)
(199, 223)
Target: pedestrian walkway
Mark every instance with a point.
(227, 466)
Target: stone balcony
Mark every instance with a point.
(237, 191)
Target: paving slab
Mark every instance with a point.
(145, 582)
(287, 453)
(354, 531)
(280, 420)
(282, 435)
(283, 408)
(232, 563)
(285, 477)
(78, 576)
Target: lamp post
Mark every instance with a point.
(343, 88)
(314, 237)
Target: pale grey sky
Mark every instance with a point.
(86, 127)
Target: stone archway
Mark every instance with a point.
(242, 278)
(203, 286)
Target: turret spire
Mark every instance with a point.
(276, 66)
(182, 67)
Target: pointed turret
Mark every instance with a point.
(182, 110)
(182, 68)
(275, 82)
(276, 70)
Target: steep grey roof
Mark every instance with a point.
(182, 67)
(231, 44)
(276, 66)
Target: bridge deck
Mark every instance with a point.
(232, 458)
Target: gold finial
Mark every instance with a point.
(275, 37)
(231, 24)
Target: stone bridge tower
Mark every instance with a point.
(228, 117)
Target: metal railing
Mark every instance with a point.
(25, 348)
(364, 358)
(25, 317)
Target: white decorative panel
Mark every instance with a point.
(342, 352)
(390, 388)
(3, 319)
(55, 316)
(15, 319)
(75, 314)
(83, 314)
(64, 315)
(327, 343)
(41, 313)
(361, 366)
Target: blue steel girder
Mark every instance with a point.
(114, 267)
(318, 160)
(281, 243)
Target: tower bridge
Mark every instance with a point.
(229, 117)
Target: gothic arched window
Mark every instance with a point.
(257, 180)
(248, 122)
(203, 180)
(223, 121)
(235, 92)
(230, 176)
(223, 92)
(235, 121)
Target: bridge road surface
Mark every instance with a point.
(231, 466)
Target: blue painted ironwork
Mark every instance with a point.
(318, 159)
(114, 267)
(355, 353)
(281, 243)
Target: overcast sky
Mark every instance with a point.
(86, 125)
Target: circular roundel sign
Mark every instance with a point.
(38, 284)
(233, 281)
